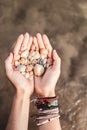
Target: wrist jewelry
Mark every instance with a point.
(47, 109)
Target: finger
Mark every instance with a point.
(32, 47)
(35, 43)
(18, 44)
(56, 61)
(25, 42)
(40, 41)
(29, 43)
(47, 45)
(8, 63)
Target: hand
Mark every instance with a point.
(19, 81)
(45, 85)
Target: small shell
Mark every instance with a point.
(38, 70)
(34, 55)
(16, 57)
(16, 63)
(21, 68)
(24, 54)
(27, 75)
(45, 61)
(42, 57)
(23, 61)
(23, 73)
(44, 52)
(29, 68)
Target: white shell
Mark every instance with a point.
(16, 63)
(24, 54)
(23, 73)
(45, 61)
(27, 75)
(34, 55)
(21, 68)
(38, 70)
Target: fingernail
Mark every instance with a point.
(26, 33)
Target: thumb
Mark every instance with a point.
(56, 61)
(8, 63)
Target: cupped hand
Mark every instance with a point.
(19, 81)
(45, 85)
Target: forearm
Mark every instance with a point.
(18, 119)
(54, 124)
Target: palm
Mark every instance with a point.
(19, 81)
(46, 83)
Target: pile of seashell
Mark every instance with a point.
(32, 62)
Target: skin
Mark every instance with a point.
(45, 86)
(42, 86)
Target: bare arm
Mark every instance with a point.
(45, 85)
(18, 119)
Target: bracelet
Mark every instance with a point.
(47, 109)
(46, 103)
(46, 121)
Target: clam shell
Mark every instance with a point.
(24, 54)
(21, 68)
(23, 61)
(17, 63)
(44, 52)
(34, 55)
(29, 68)
(38, 70)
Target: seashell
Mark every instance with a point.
(38, 70)
(23, 73)
(44, 52)
(23, 61)
(27, 75)
(16, 63)
(31, 73)
(29, 68)
(36, 55)
(16, 56)
(45, 61)
(24, 54)
(21, 68)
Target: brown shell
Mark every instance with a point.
(38, 70)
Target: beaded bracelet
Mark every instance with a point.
(46, 103)
(47, 109)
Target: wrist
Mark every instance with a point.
(20, 94)
(48, 94)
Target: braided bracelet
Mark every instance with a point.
(46, 121)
